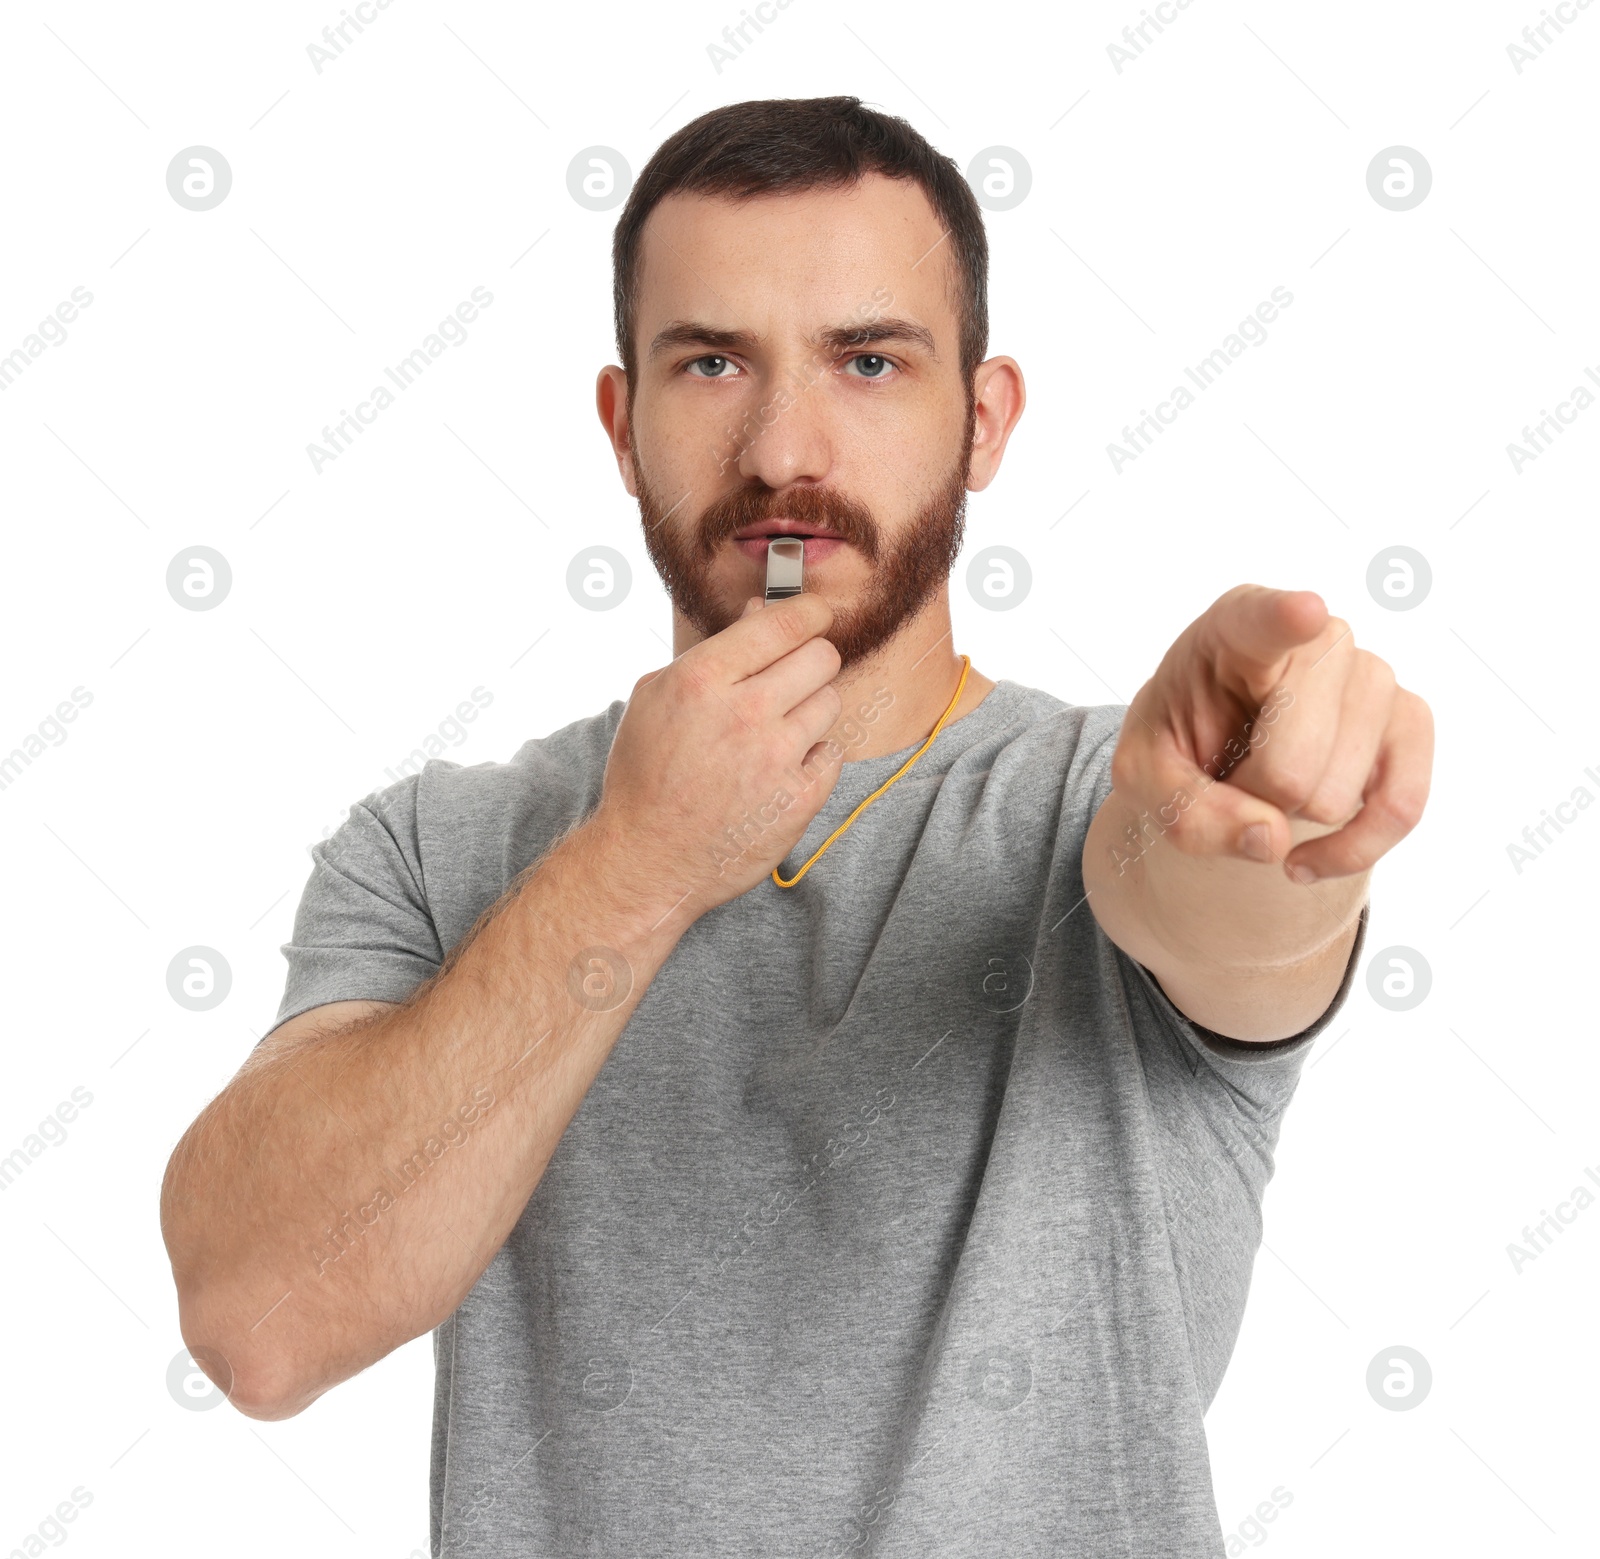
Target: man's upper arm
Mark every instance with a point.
(363, 931)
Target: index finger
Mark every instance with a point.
(753, 643)
(1258, 624)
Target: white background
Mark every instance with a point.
(367, 601)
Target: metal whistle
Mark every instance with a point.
(786, 558)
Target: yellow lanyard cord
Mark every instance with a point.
(966, 666)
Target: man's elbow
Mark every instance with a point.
(261, 1382)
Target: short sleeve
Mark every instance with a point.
(363, 931)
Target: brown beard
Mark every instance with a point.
(903, 580)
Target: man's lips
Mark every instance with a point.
(820, 542)
(782, 527)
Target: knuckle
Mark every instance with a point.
(1193, 835)
(1376, 667)
(1404, 806)
(1124, 768)
(1293, 789)
(793, 618)
(746, 705)
(826, 657)
(694, 678)
(830, 698)
(1330, 804)
(1419, 710)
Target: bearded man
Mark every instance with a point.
(835, 1089)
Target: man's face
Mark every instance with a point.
(799, 374)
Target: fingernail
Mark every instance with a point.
(1255, 842)
(1302, 874)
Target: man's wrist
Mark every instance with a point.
(619, 885)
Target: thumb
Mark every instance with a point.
(754, 604)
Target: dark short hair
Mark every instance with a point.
(803, 143)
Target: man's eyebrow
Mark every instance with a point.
(842, 338)
(834, 340)
(688, 332)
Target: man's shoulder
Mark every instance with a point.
(1033, 704)
(547, 782)
(1030, 720)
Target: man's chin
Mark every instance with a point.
(864, 629)
(853, 632)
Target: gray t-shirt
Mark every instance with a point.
(908, 1215)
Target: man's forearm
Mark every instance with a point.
(1237, 946)
(342, 1195)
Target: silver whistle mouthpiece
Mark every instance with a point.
(786, 559)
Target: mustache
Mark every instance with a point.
(819, 506)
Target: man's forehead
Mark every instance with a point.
(812, 254)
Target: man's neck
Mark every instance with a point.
(907, 682)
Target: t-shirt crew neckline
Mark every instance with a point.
(997, 704)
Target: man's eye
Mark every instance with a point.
(710, 367)
(872, 365)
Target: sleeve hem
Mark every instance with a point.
(1258, 1053)
(372, 984)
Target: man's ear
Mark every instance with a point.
(611, 401)
(998, 398)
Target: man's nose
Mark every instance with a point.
(787, 438)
